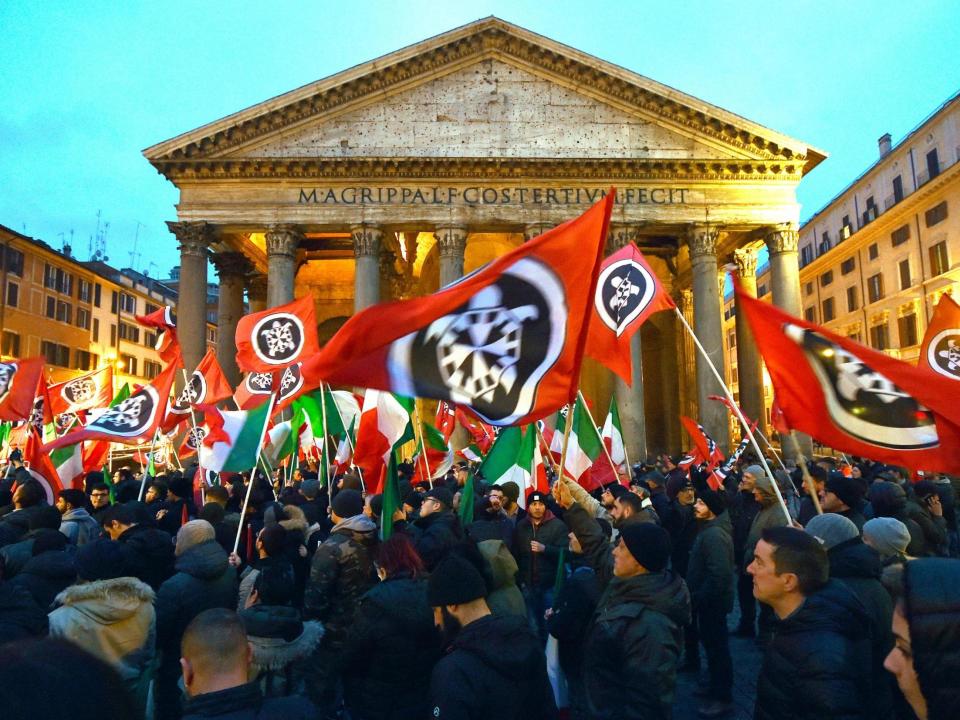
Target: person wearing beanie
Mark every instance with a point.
(494, 665)
(203, 579)
(926, 509)
(439, 527)
(858, 566)
(807, 508)
(771, 515)
(889, 537)
(540, 539)
(45, 520)
(341, 571)
(633, 641)
(107, 614)
(843, 496)
(888, 499)
(490, 523)
(77, 523)
(709, 573)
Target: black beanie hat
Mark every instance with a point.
(715, 501)
(455, 581)
(616, 489)
(648, 543)
(347, 503)
(846, 489)
(441, 495)
(100, 560)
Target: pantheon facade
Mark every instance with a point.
(390, 179)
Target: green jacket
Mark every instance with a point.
(711, 569)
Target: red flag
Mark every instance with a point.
(726, 401)
(277, 338)
(192, 440)
(90, 390)
(940, 350)
(705, 445)
(777, 419)
(37, 461)
(256, 388)
(482, 433)
(137, 417)
(446, 419)
(95, 454)
(207, 386)
(855, 399)
(506, 340)
(19, 380)
(627, 293)
(168, 346)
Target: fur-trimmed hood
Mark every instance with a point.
(107, 601)
(296, 520)
(275, 653)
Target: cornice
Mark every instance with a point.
(499, 40)
(494, 169)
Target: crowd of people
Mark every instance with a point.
(482, 602)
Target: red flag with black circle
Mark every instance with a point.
(19, 380)
(940, 350)
(277, 338)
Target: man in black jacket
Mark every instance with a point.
(215, 659)
(540, 539)
(843, 496)
(439, 528)
(817, 664)
(494, 666)
(743, 509)
(148, 552)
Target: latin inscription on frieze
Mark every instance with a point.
(486, 195)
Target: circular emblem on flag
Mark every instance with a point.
(66, 420)
(44, 483)
(258, 383)
(195, 437)
(36, 414)
(79, 391)
(193, 392)
(861, 401)
(278, 338)
(492, 352)
(7, 371)
(290, 383)
(131, 417)
(943, 353)
(624, 290)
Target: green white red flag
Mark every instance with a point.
(384, 420)
(583, 446)
(515, 457)
(233, 440)
(612, 436)
(433, 452)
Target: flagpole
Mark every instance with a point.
(346, 432)
(193, 423)
(807, 479)
(143, 476)
(616, 472)
(423, 444)
(736, 409)
(566, 439)
(546, 447)
(326, 447)
(253, 471)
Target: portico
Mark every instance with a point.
(396, 177)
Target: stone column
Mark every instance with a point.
(708, 326)
(282, 244)
(366, 279)
(749, 370)
(630, 397)
(232, 269)
(194, 239)
(452, 240)
(783, 243)
(257, 292)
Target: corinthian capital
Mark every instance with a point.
(366, 240)
(194, 238)
(702, 240)
(233, 264)
(452, 240)
(283, 240)
(782, 238)
(257, 287)
(746, 260)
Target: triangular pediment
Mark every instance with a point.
(486, 90)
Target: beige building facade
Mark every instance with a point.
(393, 178)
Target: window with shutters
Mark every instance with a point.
(151, 369)
(51, 308)
(900, 235)
(873, 252)
(13, 294)
(879, 337)
(908, 330)
(897, 189)
(810, 315)
(826, 278)
(55, 354)
(935, 215)
(852, 298)
(129, 364)
(83, 318)
(828, 312)
(64, 312)
(10, 345)
(905, 280)
(848, 266)
(939, 261)
(875, 287)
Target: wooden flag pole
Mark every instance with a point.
(423, 443)
(253, 472)
(807, 478)
(143, 471)
(616, 472)
(566, 439)
(548, 455)
(736, 409)
(193, 425)
(326, 448)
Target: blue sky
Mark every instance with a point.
(85, 86)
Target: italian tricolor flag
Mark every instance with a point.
(515, 457)
(68, 462)
(583, 446)
(612, 436)
(233, 443)
(384, 422)
(438, 456)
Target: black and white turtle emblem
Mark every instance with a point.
(290, 383)
(66, 420)
(7, 373)
(943, 353)
(861, 401)
(79, 391)
(278, 338)
(624, 290)
(258, 383)
(195, 436)
(492, 352)
(193, 392)
(131, 417)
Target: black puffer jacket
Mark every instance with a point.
(20, 616)
(932, 609)
(47, 575)
(495, 668)
(711, 569)
(818, 664)
(390, 652)
(439, 532)
(539, 569)
(246, 702)
(148, 554)
(858, 567)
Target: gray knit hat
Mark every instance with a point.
(888, 536)
(193, 533)
(757, 472)
(832, 529)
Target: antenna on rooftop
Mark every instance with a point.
(98, 242)
(134, 255)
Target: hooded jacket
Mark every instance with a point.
(79, 527)
(932, 609)
(390, 652)
(148, 554)
(504, 597)
(634, 638)
(280, 641)
(340, 573)
(711, 569)
(818, 664)
(539, 569)
(495, 668)
(20, 616)
(439, 532)
(112, 619)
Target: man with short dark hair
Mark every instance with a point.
(540, 539)
(439, 527)
(99, 500)
(26, 498)
(79, 527)
(215, 660)
(44, 521)
(817, 664)
(148, 552)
